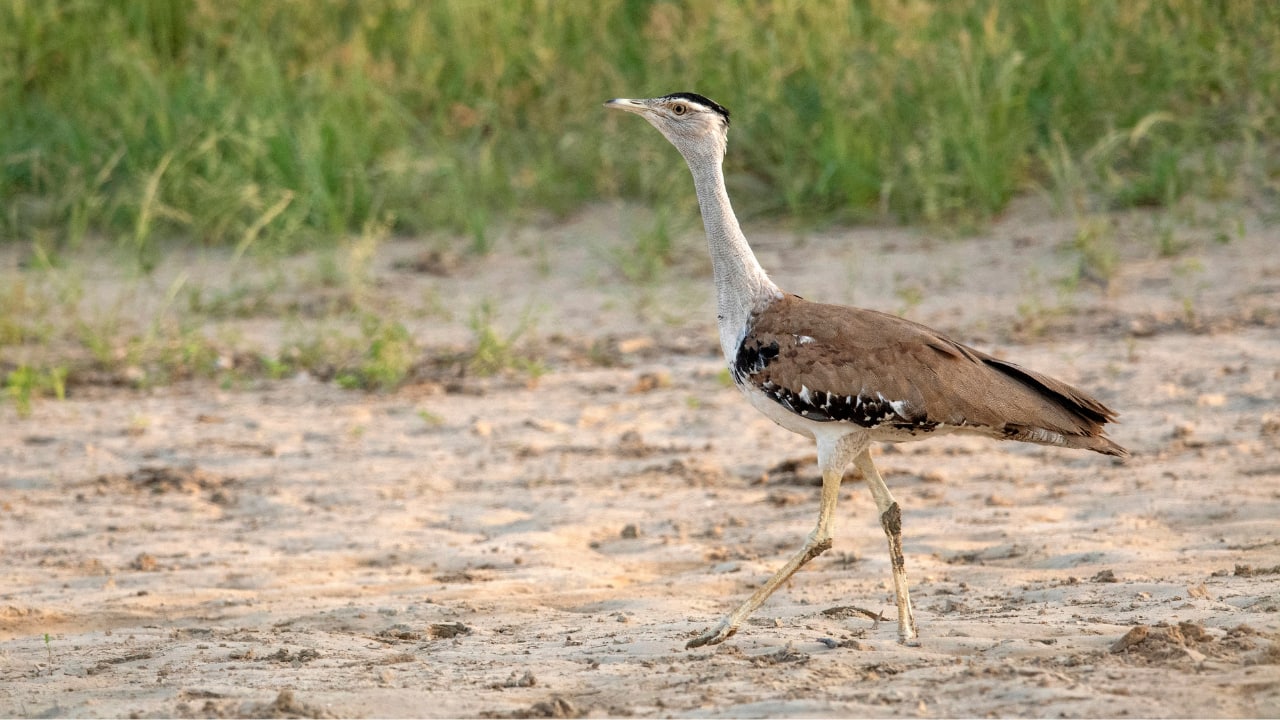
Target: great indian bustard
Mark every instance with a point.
(845, 376)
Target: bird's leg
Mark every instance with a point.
(818, 542)
(891, 521)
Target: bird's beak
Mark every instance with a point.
(631, 106)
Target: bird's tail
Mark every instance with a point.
(1084, 414)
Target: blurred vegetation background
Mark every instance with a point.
(276, 124)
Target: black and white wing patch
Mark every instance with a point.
(799, 373)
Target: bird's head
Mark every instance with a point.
(697, 126)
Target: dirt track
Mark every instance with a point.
(545, 549)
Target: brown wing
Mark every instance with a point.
(833, 363)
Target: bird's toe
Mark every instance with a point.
(714, 636)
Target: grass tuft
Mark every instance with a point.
(493, 352)
(388, 357)
(26, 382)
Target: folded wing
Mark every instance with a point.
(838, 364)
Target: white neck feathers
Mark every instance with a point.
(741, 284)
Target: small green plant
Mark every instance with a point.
(138, 425)
(492, 352)
(603, 353)
(910, 294)
(28, 382)
(477, 223)
(276, 368)
(241, 300)
(430, 419)
(1068, 187)
(1189, 314)
(1187, 286)
(1139, 165)
(1098, 259)
(323, 351)
(20, 310)
(388, 357)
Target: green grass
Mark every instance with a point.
(389, 354)
(492, 352)
(271, 126)
(26, 382)
(1097, 258)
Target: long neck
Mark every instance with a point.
(741, 284)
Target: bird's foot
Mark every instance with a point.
(908, 636)
(714, 636)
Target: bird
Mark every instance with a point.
(847, 377)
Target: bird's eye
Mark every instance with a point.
(679, 109)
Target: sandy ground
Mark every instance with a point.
(508, 548)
